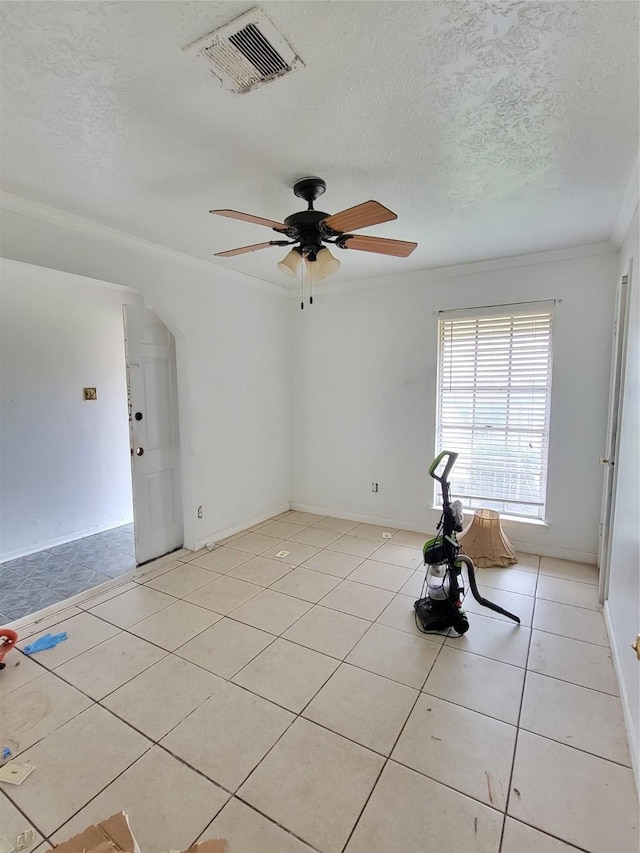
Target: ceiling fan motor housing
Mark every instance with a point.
(306, 227)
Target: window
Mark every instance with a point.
(494, 390)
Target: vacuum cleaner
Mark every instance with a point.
(440, 604)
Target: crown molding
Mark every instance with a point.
(627, 208)
(54, 216)
(473, 268)
(55, 274)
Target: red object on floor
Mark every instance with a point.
(8, 639)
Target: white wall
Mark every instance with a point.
(363, 368)
(363, 371)
(64, 463)
(624, 579)
(232, 353)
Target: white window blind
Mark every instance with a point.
(494, 388)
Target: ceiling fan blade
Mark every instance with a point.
(254, 248)
(247, 217)
(380, 245)
(361, 216)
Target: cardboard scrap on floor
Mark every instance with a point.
(114, 835)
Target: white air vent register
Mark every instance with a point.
(247, 52)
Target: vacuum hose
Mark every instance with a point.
(476, 593)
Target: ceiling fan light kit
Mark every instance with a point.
(290, 264)
(309, 229)
(328, 264)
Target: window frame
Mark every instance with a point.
(503, 311)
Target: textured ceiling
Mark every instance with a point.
(492, 129)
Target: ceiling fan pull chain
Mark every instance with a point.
(302, 266)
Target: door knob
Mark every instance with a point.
(139, 451)
(636, 646)
(138, 416)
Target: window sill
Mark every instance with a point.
(516, 519)
(511, 519)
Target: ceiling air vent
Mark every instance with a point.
(247, 52)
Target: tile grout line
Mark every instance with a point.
(281, 637)
(520, 728)
(515, 745)
(262, 814)
(48, 836)
(152, 743)
(574, 683)
(296, 716)
(230, 615)
(568, 844)
(576, 748)
(344, 661)
(129, 575)
(388, 757)
(299, 714)
(229, 680)
(28, 819)
(178, 758)
(99, 702)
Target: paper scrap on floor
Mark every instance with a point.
(114, 835)
(15, 773)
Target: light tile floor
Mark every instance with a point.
(291, 704)
(28, 584)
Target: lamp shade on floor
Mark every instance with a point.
(485, 542)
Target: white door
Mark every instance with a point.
(154, 434)
(613, 425)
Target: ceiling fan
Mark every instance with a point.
(308, 230)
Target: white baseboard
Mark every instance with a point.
(363, 519)
(552, 551)
(212, 538)
(61, 540)
(518, 544)
(624, 696)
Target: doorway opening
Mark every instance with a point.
(618, 363)
(154, 433)
(67, 520)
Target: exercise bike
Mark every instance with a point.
(440, 604)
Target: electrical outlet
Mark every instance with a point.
(199, 512)
(374, 487)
